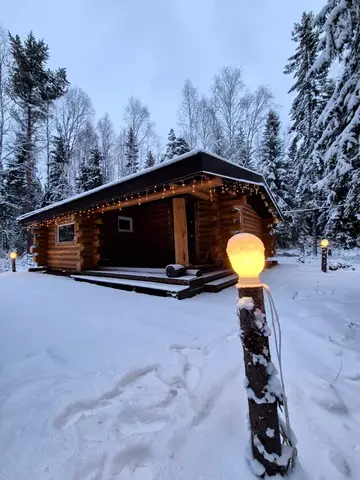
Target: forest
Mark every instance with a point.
(52, 144)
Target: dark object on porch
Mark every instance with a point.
(174, 271)
(179, 212)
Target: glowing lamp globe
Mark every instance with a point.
(246, 253)
(324, 243)
(13, 255)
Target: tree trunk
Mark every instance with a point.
(29, 160)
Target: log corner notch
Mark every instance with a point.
(39, 246)
(180, 232)
(88, 233)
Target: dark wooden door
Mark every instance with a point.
(191, 229)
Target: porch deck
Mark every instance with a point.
(154, 281)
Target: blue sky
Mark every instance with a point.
(113, 49)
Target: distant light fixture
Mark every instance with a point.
(324, 243)
(13, 256)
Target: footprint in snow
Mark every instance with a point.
(340, 463)
(192, 376)
(129, 459)
(77, 410)
(133, 421)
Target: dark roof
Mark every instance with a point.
(187, 165)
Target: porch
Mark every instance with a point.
(155, 281)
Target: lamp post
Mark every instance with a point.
(324, 254)
(13, 256)
(246, 254)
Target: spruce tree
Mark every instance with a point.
(33, 87)
(95, 169)
(16, 193)
(312, 89)
(181, 147)
(131, 153)
(170, 146)
(272, 158)
(150, 160)
(339, 22)
(83, 178)
(58, 187)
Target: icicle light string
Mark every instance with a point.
(229, 188)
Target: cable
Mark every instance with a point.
(278, 341)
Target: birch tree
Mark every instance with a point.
(188, 114)
(107, 140)
(228, 88)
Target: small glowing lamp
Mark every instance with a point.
(324, 243)
(247, 257)
(13, 255)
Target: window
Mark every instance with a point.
(65, 233)
(125, 224)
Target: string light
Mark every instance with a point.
(229, 188)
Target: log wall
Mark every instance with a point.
(79, 255)
(218, 221)
(62, 256)
(207, 232)
(151, 244)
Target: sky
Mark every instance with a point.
(113, 49)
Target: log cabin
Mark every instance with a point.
(125, 233)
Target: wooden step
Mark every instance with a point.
(177, 291)
(210, 276)
(146, 277)
(132, 269)
(221, 283)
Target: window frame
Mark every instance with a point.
(122, 230)
(58, 242)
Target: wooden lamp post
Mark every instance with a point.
(13, 256)
(246, 254)
(324, 254)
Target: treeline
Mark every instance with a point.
(325, 133)
(52, 147)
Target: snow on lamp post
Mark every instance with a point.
(13, 256)
(324, 254)
(264, 391)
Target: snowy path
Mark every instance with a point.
(99, 384)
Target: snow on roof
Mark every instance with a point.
(130, 177)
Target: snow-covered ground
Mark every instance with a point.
(99, 384)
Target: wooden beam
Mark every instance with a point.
(180, 232)
(201, 195)
(178, 190)
(235, 201)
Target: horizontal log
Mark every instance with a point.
(251, 215)
(98, 243)
(62, 259)
(64, 265)
(254, 226)
(62, 253)
(63, 246)
(38, 250)
(252, 221)
(241, 200)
